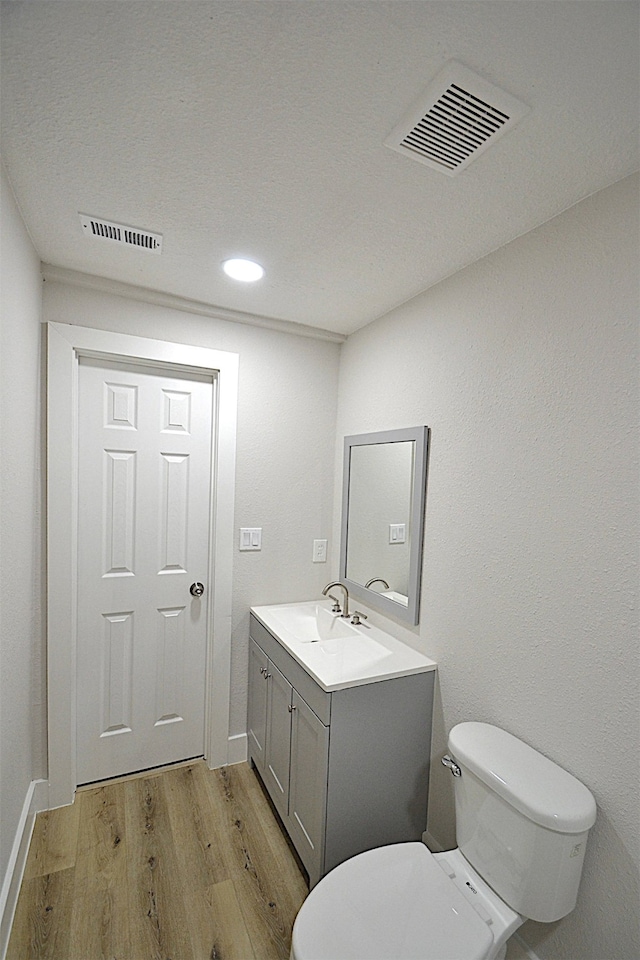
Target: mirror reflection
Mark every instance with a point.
(379, 532)
(382, 518)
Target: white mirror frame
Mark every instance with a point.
(420, 435)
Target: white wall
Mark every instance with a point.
(524, 367)
(286, 430)
(22, 754)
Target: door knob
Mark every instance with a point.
(196, 589)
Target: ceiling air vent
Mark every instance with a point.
(458, 117)
(119, 233)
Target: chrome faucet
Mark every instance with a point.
(345, 605)
(377, 580)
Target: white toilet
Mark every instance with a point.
(521, 825)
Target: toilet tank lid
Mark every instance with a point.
(529, 781)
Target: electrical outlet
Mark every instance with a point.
(319, 551)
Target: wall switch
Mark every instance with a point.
(319, 551)
(397, 532)
(251, 538)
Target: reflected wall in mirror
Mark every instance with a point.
(384, 487)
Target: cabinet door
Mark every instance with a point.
(278, 745)
(257, 712)
(308, 786)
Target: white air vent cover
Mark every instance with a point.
(458, 117)
(119, 233)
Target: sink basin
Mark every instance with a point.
(336, 653)
(310, 624)
(358, 653)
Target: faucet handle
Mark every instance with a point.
(336, 605)
(357, 614)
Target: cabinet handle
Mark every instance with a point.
(292, 707)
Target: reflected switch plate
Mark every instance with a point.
(397, 532)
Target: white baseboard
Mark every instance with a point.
(237, 751)
(35, 800)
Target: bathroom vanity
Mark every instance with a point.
(339, 730)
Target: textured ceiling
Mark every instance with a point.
(257, 129)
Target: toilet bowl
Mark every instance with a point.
(522, 824)
(405, 903)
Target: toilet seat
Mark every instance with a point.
(391, 903)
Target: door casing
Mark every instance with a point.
(66, 343)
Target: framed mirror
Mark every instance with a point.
(383, 503)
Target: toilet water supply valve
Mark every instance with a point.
(449, 762)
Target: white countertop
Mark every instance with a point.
(360, 654)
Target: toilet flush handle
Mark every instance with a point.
(449, 762)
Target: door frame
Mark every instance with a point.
(65, 344)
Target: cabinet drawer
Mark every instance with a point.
(317, 698)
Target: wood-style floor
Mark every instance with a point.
(184, 864)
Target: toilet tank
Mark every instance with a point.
(521, 820)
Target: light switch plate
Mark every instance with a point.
(251, 538)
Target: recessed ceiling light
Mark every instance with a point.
(245, 270)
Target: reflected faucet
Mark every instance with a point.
(377, 580)
(330, 586)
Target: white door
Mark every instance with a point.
(144, 493)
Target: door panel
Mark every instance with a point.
(117, 650)
(173, 514)
(171, 654)
(119, 507)
(143, 536)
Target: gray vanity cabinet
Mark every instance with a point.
(288, 744)
(348, 769)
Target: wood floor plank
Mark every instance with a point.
(54, 840)
(203, 870)
(158, 920)
(198, 837)
(295, 886)
(42, 921)
(100, 915)
(232, 940)
(267, 910)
